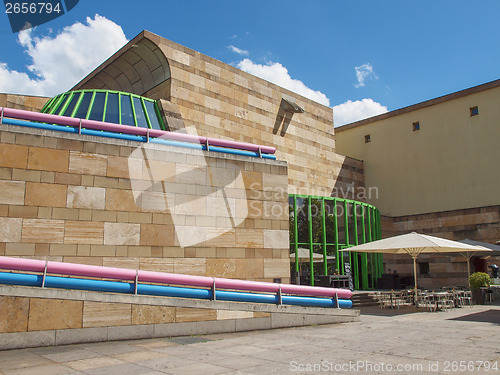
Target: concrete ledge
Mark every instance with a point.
(80, 335)
(135, 332)
(174, 329)
(20, 340)
(253, 324)
(280, 316)
(79, 295)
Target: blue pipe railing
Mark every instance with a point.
(167, 291)
(12, 116)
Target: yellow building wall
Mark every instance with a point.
(449, 164)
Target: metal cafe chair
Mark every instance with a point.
(466, 298)
(426, 299)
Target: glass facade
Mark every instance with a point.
(109, 106)
(324, 226)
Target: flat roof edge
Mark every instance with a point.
(427, 103)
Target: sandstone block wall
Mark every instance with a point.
(46, 317)
(222, 101)
(100, 201)
(26, 102)
(28, 314)
(479, 224)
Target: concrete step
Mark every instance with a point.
(364, 299)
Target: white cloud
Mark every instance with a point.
(350, 111)
(278, 74)
(60, 62)
(364, 72)
(239, 51)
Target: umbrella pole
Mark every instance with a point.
(414, 257)
(467, 257)
(468, 271)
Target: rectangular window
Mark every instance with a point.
(368, 138)
(416, 126)
(69, 109)
(423, 268)
(112, 109)
(153, 118)
(97, 110)
(474, 111)
(127, 113)
(83, 108)
(139, 113)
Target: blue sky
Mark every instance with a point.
(359, 57)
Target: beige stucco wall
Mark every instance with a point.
(449, 164)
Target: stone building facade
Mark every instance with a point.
(433, 164)
(218, 100)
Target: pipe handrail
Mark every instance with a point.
(135, 138)
(134, 130)
(60, 282)
(73, 269)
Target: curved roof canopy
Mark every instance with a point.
(108, 106)
(136, 68)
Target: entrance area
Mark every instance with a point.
(320, 227)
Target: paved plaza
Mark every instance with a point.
(465, 341)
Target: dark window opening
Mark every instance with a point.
(112, 109)
(127, 115)
(83, 108)
(474, 111)
(69, 109)
(97, 111)
(139, 113)
(368, 138)
(153, 118)
(423, 268)
(416, 126)
(60, 105)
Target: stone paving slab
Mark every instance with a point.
(383, 342)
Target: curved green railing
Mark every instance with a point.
(108, 106)
(326, 225)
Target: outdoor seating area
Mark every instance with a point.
(430, 300)
(333, 281)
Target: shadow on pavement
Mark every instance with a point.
(489, 316)
(374, 310)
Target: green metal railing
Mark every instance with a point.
(326, 225)
(107, 105)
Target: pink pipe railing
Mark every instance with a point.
(33, 265)
(134, 130)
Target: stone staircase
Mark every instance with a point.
(364, 299)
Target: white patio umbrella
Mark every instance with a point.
(304, 255)
(486, 248)
(414, 244)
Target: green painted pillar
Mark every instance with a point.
(355, 263)
(309, 220)
(338, 261)
(296, 234)
(323, 226)
(346, 235)
(364, 256)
